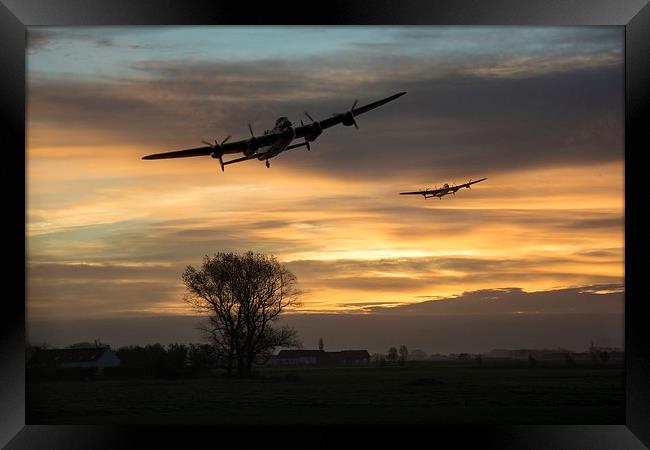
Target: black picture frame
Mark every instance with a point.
(16, 15)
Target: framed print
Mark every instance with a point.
(366, 215)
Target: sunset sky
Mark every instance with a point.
(539, 111)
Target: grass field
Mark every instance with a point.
(419, 393)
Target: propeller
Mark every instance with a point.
(354, 122)
(251, 145)
(349, 116)
(314, 134)
(218, 146)
(216, 143)
(302, 124)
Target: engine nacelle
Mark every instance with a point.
(348, 119)
(313, 132)
(251, 147)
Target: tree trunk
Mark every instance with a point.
(229, 366)
(249, 364)
(241, 366)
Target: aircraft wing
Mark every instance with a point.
(243, 158)
(427, 192)
(228, 148)
(198, 151)
(446, 190)
(338, 118)
(268, 139)
(470, 183)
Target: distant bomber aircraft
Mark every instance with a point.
(444, 190)
(274, 141)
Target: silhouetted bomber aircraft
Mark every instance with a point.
(276, 140)
(444, 190)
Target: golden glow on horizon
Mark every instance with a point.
(513, 221)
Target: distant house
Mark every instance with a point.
(320, 357)
(349, 357)
(99, 357)
(300, 357)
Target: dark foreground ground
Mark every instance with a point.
(424, 393)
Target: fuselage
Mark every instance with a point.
(285, 134)
(445, 190)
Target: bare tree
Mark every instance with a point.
(392, 354)
(403, 354)
(242, 296)
(417, 355)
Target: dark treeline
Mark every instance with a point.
(173, 361)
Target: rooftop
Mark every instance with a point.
(68, 355)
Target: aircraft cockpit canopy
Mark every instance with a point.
(283, 122)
